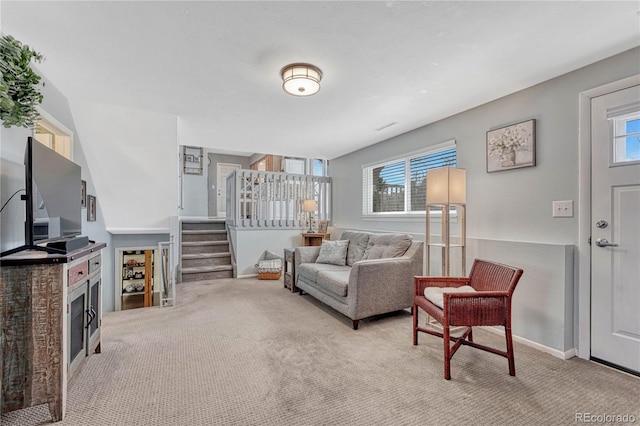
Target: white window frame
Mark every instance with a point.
(367, 170)
(620, 135)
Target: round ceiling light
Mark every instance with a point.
(301, 79)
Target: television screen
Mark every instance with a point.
(56, 194)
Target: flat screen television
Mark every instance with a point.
(53, 210)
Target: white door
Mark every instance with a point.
(615, 228)
(223, 171)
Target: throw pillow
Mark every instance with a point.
(333, 252)
(383, 246)
(357, 245)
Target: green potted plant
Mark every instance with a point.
(20, 85)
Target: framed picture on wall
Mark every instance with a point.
(91, 208)
(511, 147)
(83, 184)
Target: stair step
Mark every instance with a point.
(209, 225)
(203, 231)
(205, 243)
(206, 273)
(201, 269)
(204, 235)
(206, 259)
(205, 255)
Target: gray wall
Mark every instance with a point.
(512, 206)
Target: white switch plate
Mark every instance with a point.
(563, 208)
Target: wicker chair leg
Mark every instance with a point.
(415, 324)
(510, 357)
(470, 337)
(446, 337)
(355, 324)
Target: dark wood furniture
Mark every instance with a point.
(314, 238)
(51, 308)
(489, 305)
(290, 269)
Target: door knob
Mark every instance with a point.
(602, 242)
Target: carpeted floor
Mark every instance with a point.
(248, 352)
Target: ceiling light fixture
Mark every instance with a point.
(301, 79)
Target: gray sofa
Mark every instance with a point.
(375, 277)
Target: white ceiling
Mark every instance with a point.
(216, 64)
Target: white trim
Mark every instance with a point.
(546, 349)
(130, 231)
(248, 276)
(584, 209)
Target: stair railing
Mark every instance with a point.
(168, 273)
(257, 199)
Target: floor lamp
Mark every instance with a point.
(446, 187)
(310, 206)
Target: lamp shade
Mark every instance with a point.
(446, 185)
(301, 79)
(309, 206)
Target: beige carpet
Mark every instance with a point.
(248, 352)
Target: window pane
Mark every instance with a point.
(318, 167)
(626, 143)
(419, 167)
(388, 188)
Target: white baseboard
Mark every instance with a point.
(248, 276)
(546, 349)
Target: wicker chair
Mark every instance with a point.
(486, 302)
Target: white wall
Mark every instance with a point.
(132, 155)
(513, 206)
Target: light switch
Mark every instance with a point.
(563, 208)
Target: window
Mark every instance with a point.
(626, 138)
(384, 185)
(53, 134)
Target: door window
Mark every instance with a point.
(626, 138)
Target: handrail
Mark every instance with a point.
(168, 273)
(257, 199)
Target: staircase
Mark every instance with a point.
(205, 253)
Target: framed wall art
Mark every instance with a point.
(91, 208)
(511, 147)
(83, 202)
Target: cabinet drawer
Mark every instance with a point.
(94, 264)
(77, 273)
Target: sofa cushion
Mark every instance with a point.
(333, 252)
(334, 282)
(382, 246)
(357, 245)
(310, 270)
(435, 294)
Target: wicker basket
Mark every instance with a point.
(270, 269)
(269, 275)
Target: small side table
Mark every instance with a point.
(290, 269)
(314, 238)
